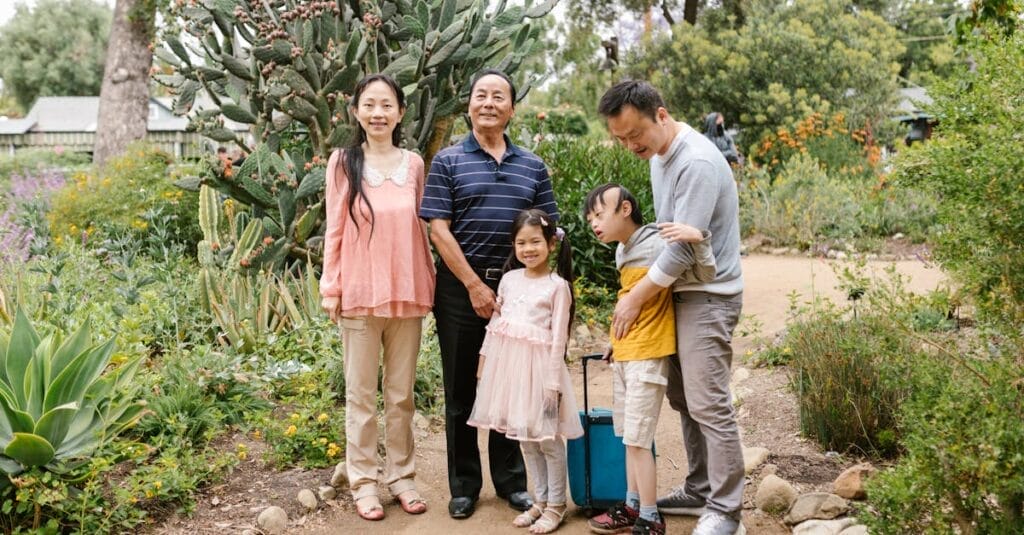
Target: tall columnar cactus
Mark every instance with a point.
(288, 68)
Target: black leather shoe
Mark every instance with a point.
(462, 506)
(520, 501)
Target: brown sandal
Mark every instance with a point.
(415, 505)
(529, 516)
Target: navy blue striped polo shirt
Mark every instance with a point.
(481, 197)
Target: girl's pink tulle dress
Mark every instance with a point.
(525, 356)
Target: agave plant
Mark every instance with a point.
(56, 402)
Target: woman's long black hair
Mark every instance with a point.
(563, 265)
(354, 156)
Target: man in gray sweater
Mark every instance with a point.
(692, 184)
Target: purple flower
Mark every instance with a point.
(22, 221)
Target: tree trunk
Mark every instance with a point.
(690, 11)
(124, 95)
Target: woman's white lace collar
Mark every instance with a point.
(399, 175)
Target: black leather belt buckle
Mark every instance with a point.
(491, 274)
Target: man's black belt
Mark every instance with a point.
(490, 274)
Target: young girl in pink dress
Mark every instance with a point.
(524, 389)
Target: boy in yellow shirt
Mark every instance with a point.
(640, 363)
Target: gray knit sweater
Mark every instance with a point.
(693, 184)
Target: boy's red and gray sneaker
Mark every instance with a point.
(678, 502)
(649, 527)
(619, 519)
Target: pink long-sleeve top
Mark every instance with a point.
(390, 274)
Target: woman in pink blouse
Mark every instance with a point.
(378, 283)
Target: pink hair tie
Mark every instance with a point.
(559, 233)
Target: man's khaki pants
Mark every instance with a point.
(363, 338)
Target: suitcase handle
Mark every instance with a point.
(586, 425)
(586, 397)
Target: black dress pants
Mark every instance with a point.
(460, 333)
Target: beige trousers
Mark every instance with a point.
(363, 338)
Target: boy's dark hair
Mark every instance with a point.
(637, 93)
(495, 72)
(596, 197)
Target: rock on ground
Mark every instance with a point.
(307, 499)
(753, 457)
(272, 520)
(774, 494)
(339, 479)
(327, 492)
(850, 484)
(824, 527)
(816, 505)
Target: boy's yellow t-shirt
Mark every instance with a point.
(653, 335)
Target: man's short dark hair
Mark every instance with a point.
(637, 93)
(596, 197)
(495, 72)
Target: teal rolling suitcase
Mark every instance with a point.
(597, 460)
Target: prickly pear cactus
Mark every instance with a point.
(288, 68)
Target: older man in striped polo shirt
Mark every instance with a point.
(474, 191)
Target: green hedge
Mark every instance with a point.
(577, 166)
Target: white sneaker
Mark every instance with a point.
(714, 523)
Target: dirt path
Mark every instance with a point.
(767, 415)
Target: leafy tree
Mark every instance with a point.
(57, 48)
(789, 60)
(929, 53)
(973, 162)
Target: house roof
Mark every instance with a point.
(78, 114)
(911, 100)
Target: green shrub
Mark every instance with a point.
(35, 160)
(963, 470)
(848, 378)
(198, 394)
(129, 195)
(313, 432)
(973, 164)
(561, 121)
(805, 205)
(577, 166)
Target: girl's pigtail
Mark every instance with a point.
(564, 267)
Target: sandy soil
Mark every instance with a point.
(767, 416)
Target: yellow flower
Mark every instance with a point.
(256, 434)
(333, 450)
(322, 440)
(322, 417)
(149, 493)
(158, 484)
(290, 431)
(295, 416)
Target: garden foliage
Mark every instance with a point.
(789, 60)
(963, 470)
(294, 77)
(973, 163)
(54, 48)
(578, 165)
(128, 196)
